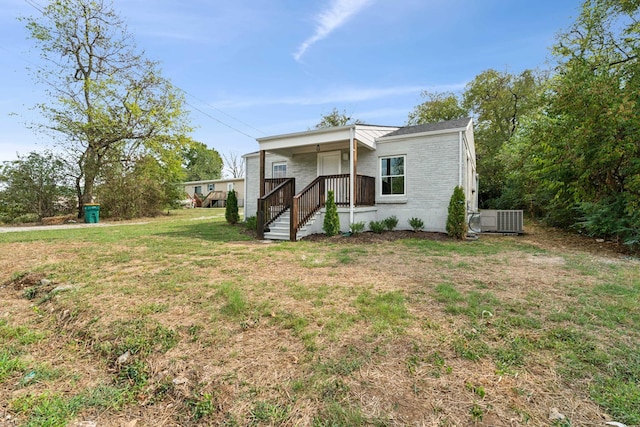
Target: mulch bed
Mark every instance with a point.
(370, 237)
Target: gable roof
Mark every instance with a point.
(457, 124)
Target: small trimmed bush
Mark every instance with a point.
(357, 227)
(457, 217)
(231, 209)
(251, 223)
(377, 226)
(331, 224)
(416, 224)
(391, 222)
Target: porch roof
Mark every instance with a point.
(327, 138)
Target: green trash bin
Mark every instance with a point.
(92, 213)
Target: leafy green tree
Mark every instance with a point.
(335, 118)
(231, 208)
(457, 214)
(201, 162)
(139, 186)
(499, 101)
(438, 107)
(585, 144)
(105, 98)
(35, 184)
(331, 224)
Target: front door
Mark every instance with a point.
(329, 163)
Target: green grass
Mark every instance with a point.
(9, 364)
(387, 312)
(235, 302)
(46, 410)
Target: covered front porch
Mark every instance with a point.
(320, 161)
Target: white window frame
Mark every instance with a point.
(273, 169)
(404, 175)
(211, 187)
(229, 186)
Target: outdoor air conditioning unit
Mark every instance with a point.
(501, 221)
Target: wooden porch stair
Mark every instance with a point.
(280, 228)
(284, 215)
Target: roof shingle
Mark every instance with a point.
(431, 127)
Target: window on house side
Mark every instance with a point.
(392, 175)
(197, 189)
(279, 170)
(229, 186)
(211, 187)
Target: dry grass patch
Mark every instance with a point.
(180, 323)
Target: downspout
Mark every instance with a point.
(460, 159)
(352, 178)
(244, 203)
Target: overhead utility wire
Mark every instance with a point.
(219, 121)
(39, 9)
(35, 5)
(220, 111)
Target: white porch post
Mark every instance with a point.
(352, 177)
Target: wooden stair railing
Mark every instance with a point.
(305, 204)
(310, 200)
(274, 203)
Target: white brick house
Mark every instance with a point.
(374, 171)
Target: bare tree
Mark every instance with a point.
(234, 164)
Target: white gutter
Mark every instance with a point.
(460, 159)
(352, 178)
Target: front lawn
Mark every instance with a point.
(185, 320)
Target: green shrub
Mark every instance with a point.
(331, 225)
(377, 226)
(231, 210)
(416, 224)
(26, 219)
(457, 217)
(251, 223)
(391, 222)
(357, 227)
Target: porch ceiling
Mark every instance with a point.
(317, 148)
(324, 139)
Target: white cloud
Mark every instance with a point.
(336, 15)
(336, 96)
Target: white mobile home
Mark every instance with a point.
(202, 189)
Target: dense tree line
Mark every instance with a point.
(564, 145)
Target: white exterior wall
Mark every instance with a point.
(252, 184)
(431, 174)
(252, 177)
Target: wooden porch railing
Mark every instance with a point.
(271, 183)
(365, 190)
(274, 203)
(305, 204)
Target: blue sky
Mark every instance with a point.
(267, 67)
